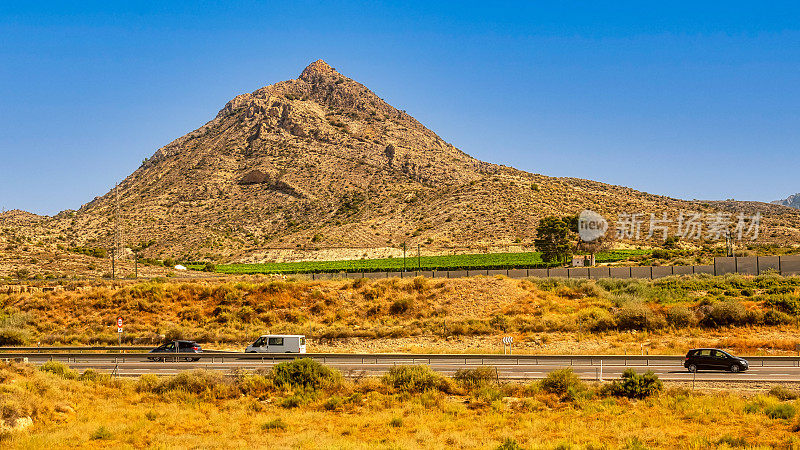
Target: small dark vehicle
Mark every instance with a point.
(176, 350)
(713, 359)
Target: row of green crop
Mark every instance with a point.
(441, 262)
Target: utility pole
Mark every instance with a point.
(116, 237)
(419, 260)
(404, 256)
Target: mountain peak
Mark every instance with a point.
(316, 68)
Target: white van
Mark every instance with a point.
(278, 343)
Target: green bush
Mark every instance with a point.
(415, 379)
(680, 317)
(12, 336)
(305, 373)
(784, 303)
(147, 383)
(59, 369)
(776, 318)
(198, 381)
(781, 393)
(89, 375)
(509, 444)
(477, 377)
(638, 316)
(633, 385)
(780, 411)
(562, 382)
(101, 434)
(275, 424)
(729, 312)
(209, 267)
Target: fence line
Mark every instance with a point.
(750, 265)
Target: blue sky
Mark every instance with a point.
(686, 100)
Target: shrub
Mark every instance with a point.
(333, 403)
(396, 422)
(561, 382)
(199, 381)
(509, 444)
(147, 383)
(680, 317)
(101, 434)
(633, 385)
(89, 375)
(275, 424)
(781, 393)
(477, 377)
(59, 369)
(401, 306)
(415, 379)
(780, 411)
(637, 316)
(298, 399)
(209, 267)
(776, 318)
(729, 312)
(596, 319)
(785, 303)
(12, 336)
(305, 373)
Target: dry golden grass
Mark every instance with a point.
(107, 413)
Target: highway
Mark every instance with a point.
(509, 367)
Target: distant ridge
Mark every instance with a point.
(792, 201)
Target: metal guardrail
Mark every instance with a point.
(401, 359)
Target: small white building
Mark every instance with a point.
(582, 260)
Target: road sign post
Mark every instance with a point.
(119, 330)
(507, 340)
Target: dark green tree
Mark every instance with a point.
(553, 238)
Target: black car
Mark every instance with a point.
(175, 348)
(714, 359)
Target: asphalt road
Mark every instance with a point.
(510, 367)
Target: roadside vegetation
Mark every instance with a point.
(302, 404)
(742, 313)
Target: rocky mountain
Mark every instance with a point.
(792, 201)
(322, 162)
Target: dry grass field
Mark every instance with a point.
(751, 315)
(412, 408)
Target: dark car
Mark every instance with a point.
(713, 359)
(175, 349)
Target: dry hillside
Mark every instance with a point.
(321, 161)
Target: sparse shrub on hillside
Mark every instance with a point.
(274, 425)
(60, 369)
(596, 319)
(784, 303)
(633, 385)
(637, 316)
(680, 317)
(210, 383)
(12, 337)
(420, 283)
(562, 382)
(724, 313)
(782, 393)
(783, 411)
(476, 378)
(305, 373)
(772, 318)
(401, 306)
(415, 379)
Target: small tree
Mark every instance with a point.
(552, 238)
